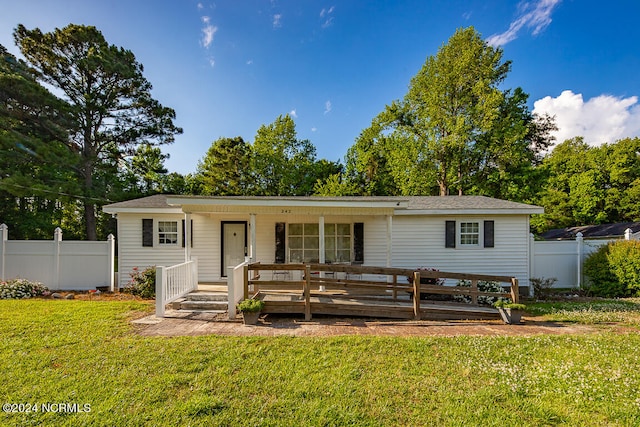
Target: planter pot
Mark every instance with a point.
(510, 316)
(250, 317)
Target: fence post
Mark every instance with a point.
(57, 238)
(160, 279)
(4, 236)
(532, 261)
(628, 234)
(580, 249)
(111, 253)
(231, 293)
(307, 292)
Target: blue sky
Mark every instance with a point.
(228, 66)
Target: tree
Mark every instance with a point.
(452, 101)
(109, 100)
(454, 130)
(282, 164)
(225, 169)
(35, 165)
(148, 165)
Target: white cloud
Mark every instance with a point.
(200, 6)
(212, 62)
(293, 113)
(313, 129)
(327, 107)
(603, 119)
(535, 15)
(250, 62)
(327, 16)
(208, 31)
(277, 20)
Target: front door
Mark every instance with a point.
(234, 244)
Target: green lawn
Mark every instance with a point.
(86, 352)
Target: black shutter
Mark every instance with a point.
(450, 234)
(488, 234)
(147, 232)
(281, 243)
(184, 233)
(358, 243)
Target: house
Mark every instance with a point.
(467, 234)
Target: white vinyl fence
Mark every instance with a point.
(70, 265)
(564, 259)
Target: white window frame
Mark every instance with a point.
(459, 234)
(304, 236)
(159, 234)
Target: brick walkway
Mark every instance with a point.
(186, 324)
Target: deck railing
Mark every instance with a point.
(366, 282)
(174, 282)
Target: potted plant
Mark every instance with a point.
(510, 312)
(250, 309)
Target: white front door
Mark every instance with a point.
(234, 244)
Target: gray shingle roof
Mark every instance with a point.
(421, 203)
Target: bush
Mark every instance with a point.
(142, 283)
(603, 282)
(624, 262)
(483, 286)
(22, 288)
(542, 287)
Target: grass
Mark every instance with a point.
(86, 352)
(625, 311)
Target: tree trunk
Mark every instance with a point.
(90, 220)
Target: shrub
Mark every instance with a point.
(602, 280)
(251, 305)
(142, 283)
(542, 287)
(483, 286)
(624, 262)
(21, 288)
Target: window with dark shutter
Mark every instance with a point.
(280, 243)
(488, 234)
(358, 243)
(450, 234)
(147, 232)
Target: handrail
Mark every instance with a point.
(414, 286)
(174, 282)
(236, 278)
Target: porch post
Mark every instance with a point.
(187, 237)
(389, 239)
(321, 257)
(252, 230)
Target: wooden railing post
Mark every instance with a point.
(307, 292)
(416, 295)
(474, 292)
(245, 278)
(515, 290)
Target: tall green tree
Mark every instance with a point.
(109, 100)
(225, 169)
(35, 166)
(282, 164)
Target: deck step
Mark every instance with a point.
(205, 301)
(203, 305)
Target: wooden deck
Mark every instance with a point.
(345, 290)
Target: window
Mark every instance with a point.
(337, 242)
(304, 243)
(469, 233)
(168, 232)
